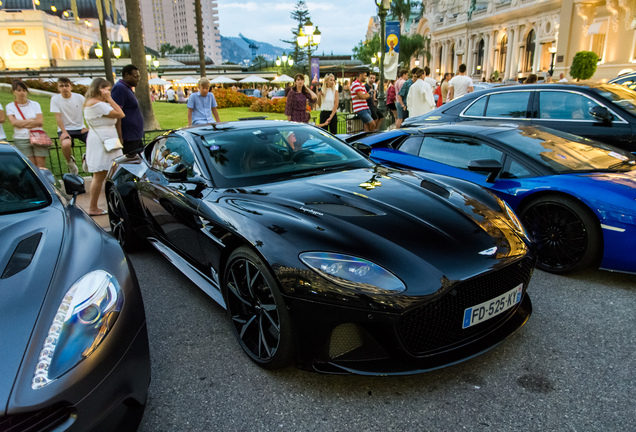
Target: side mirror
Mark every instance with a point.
(601, 113)
(491, 166)
(362, 148)
(176, 172)
(73, 184)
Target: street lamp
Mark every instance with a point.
(308, 36)
(553, 50)
(116, 51)
(383, 9)
(99, 52)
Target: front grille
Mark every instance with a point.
(36, 421)
(438, 324)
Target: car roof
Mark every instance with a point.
(482, 127)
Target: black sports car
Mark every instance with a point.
(603, 112)
(323, 257)
(73, 343)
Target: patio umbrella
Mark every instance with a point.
(222, 80)
(83, 81)
(188, 80)
(283, 78)
(158, 81)
(253, 79)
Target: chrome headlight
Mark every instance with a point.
(515, 220)
(353, 273)
(85, 316)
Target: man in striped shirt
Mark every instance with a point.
(359, 98)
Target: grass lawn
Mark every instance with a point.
(169, 116)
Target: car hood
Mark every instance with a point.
(384, 214)
(22, 294)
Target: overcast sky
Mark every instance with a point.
(343, 23)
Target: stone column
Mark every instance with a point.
(512, 34)
(538, 50)
(491, 55)
(468, 55)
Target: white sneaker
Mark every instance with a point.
(72, 168)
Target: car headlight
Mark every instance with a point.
(515, 223)
(353, 273)
(85, 316)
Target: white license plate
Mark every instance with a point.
(486, 310)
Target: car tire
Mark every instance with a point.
(259, 318)
(566, 234)
(119, 222)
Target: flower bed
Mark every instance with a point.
(227, 98)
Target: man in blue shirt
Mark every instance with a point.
(131, 127)
(257, 92)
(202, 105)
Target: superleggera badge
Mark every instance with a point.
(490, 251)
(313, 212)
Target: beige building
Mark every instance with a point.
(173, 21)
(34, 39)
(518, 37)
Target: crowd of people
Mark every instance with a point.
(107, 120)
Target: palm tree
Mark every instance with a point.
(411, 46)
(259, 59)
(167, 48)
(199, 21)
(138, 58)
(401, 10)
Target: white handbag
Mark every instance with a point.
(111, 144)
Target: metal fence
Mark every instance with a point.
(56, 163)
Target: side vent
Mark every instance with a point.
(22, 256)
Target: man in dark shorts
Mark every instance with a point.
(376, 114)
(68, 109)
(131, 127)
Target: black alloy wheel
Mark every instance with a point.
(566, 234)
(120, 226)
(260, 320)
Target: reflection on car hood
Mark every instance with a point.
(382, 211)
(22, 294)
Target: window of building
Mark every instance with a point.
(530, 47)
(480, 54)
(503, 53)
(598, 31)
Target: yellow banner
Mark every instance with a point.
(100, 11)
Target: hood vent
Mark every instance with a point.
(340, 209)
(435, 188)
(22, 256)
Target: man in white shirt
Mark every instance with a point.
(562, 77)
(68, 108)
(460, 84)
(170, 95)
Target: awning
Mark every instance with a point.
(597, 27)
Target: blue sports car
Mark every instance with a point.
(576, 197)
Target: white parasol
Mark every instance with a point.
(188, 80)
(283, 78)
(158, 81)
(253, 79)
(222, 80)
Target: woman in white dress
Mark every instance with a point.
(101, 113)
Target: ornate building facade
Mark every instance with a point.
(514, 38)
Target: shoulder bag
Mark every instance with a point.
(110, 144)
(37, 136)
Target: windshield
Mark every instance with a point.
(243, 157)
(564, 152)
(20, 188)
(618, 95)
